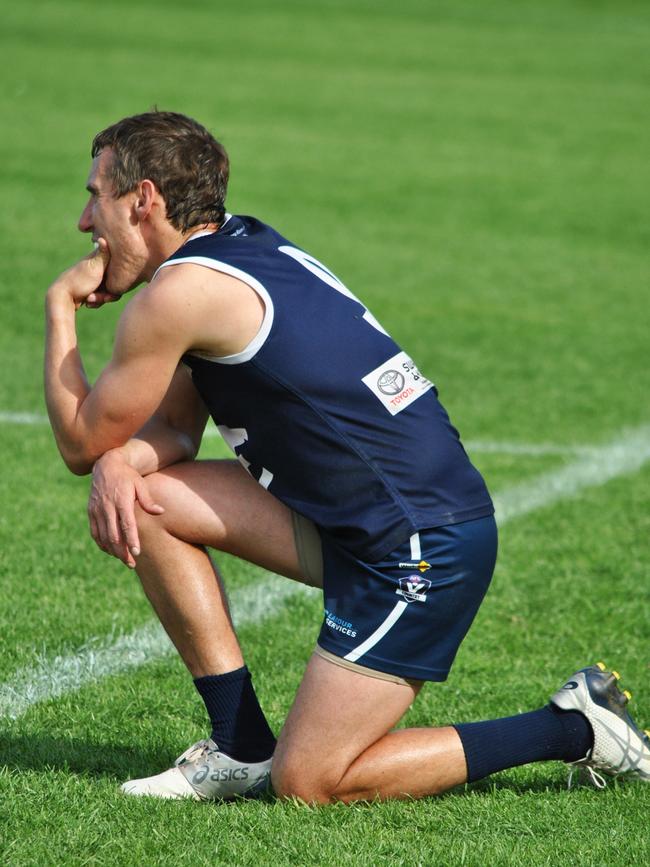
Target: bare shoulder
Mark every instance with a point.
(214, 312)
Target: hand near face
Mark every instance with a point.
(83, 283)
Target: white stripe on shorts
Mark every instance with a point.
(379, 633)
(416, 549)
(393, 617)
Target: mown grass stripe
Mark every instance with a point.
(51, 678)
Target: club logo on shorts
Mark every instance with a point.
(414, 588)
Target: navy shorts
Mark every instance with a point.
(407, 614)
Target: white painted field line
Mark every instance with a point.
(482, 446)
(490, 446)
(253, 604)
(30, 418)
(622, 456)
(487, 447)
(54, 677)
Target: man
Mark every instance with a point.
(349, 476)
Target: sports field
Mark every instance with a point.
(478, 174)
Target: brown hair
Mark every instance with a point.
(186, 163)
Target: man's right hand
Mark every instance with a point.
(115, 489)
(83, 282)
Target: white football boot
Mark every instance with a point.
(203, 773)
(620, 747)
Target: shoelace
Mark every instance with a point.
(593, 777)
(193, 752)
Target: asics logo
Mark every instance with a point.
(572, 684)
(219, 775)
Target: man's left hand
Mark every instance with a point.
(115, 490)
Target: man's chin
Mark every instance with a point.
(120, 287)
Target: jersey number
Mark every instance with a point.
(236, 437)
(319, 270)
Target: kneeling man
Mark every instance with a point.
(349, 476)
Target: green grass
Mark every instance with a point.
(478, 174)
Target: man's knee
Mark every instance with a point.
(294, 780)
(160, 490)
(161, 486)
(186, 515)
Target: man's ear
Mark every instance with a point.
(145, 198)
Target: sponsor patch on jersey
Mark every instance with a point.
(414, 588)
(397, 383)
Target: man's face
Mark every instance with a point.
(114, 219)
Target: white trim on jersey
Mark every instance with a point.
(260, 338)
(202, 233)
(379, 633)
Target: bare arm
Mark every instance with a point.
(87, 422)
(184, 307)
(142, 414)
(173, 434)
(66, 384)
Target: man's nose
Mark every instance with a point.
(85, 223)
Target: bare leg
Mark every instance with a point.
(186, 593)
(213, 503)
(337, 743)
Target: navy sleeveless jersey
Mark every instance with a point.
(323, 408)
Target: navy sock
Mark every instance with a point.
(239, 726)
(538, 736)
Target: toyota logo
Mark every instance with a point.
(391, 382)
